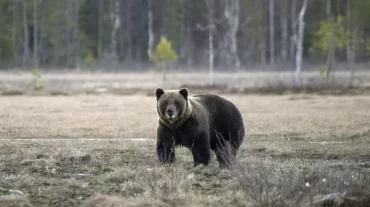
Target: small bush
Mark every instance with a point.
(35, 82)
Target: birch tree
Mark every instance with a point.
(299, 45)
(352, 39)
(330, 37)
(331, 47)
(128, 30)
(293, 38)
(71, 14)
(116, 22)
(231, 15)
(211, 28)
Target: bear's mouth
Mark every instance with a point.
(170, 118)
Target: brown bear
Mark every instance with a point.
(200, 123)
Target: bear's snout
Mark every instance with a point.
(170, 113)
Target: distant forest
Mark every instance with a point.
(123, 33)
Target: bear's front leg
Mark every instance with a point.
(201, 150)
(166, 152)
(165, 145)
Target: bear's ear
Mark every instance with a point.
(159, 92)
(184, 92)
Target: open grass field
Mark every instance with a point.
(299, 150)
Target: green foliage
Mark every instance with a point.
(163, 53)
(330, 29)
(35, 83)
(89, 59)
(323, 70)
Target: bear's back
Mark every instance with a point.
(216, 105)
(222, 113)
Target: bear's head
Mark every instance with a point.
(173, 105)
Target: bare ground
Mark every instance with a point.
(296, 145)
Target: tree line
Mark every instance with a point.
(226, 33)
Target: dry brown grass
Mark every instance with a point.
(296, 117)
(291, 140)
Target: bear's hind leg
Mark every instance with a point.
(201, 151)
(225, 154)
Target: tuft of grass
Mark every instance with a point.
(12, 93)
(269, 184)
(14, 201)
(58, 93)
(104, 201)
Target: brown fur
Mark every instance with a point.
(200, 123)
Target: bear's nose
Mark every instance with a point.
(170, 112)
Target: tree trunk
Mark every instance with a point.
(293, 38)
(188, 44)
(75, 40)
(331, 44)
(272, 31)
(67, 54)
(35, 37)
(14, 32)
(299, 45)
(26, 35)
(211, 27)
(71, 29)
(100, 29)
(211, 54)
(116, 22)
(150, 28)
(351, 42)
(263, 48)
(353, 54)
(128, 31)
(284, 30)
(231, 14)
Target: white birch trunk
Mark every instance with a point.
(351, 41)
(331, 44)
(352, 56)
(211, 27)
(211, 54)
(299, 45)
(115, 16)
(231, 14)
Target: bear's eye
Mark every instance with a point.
(177, 104)
(164, 104)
